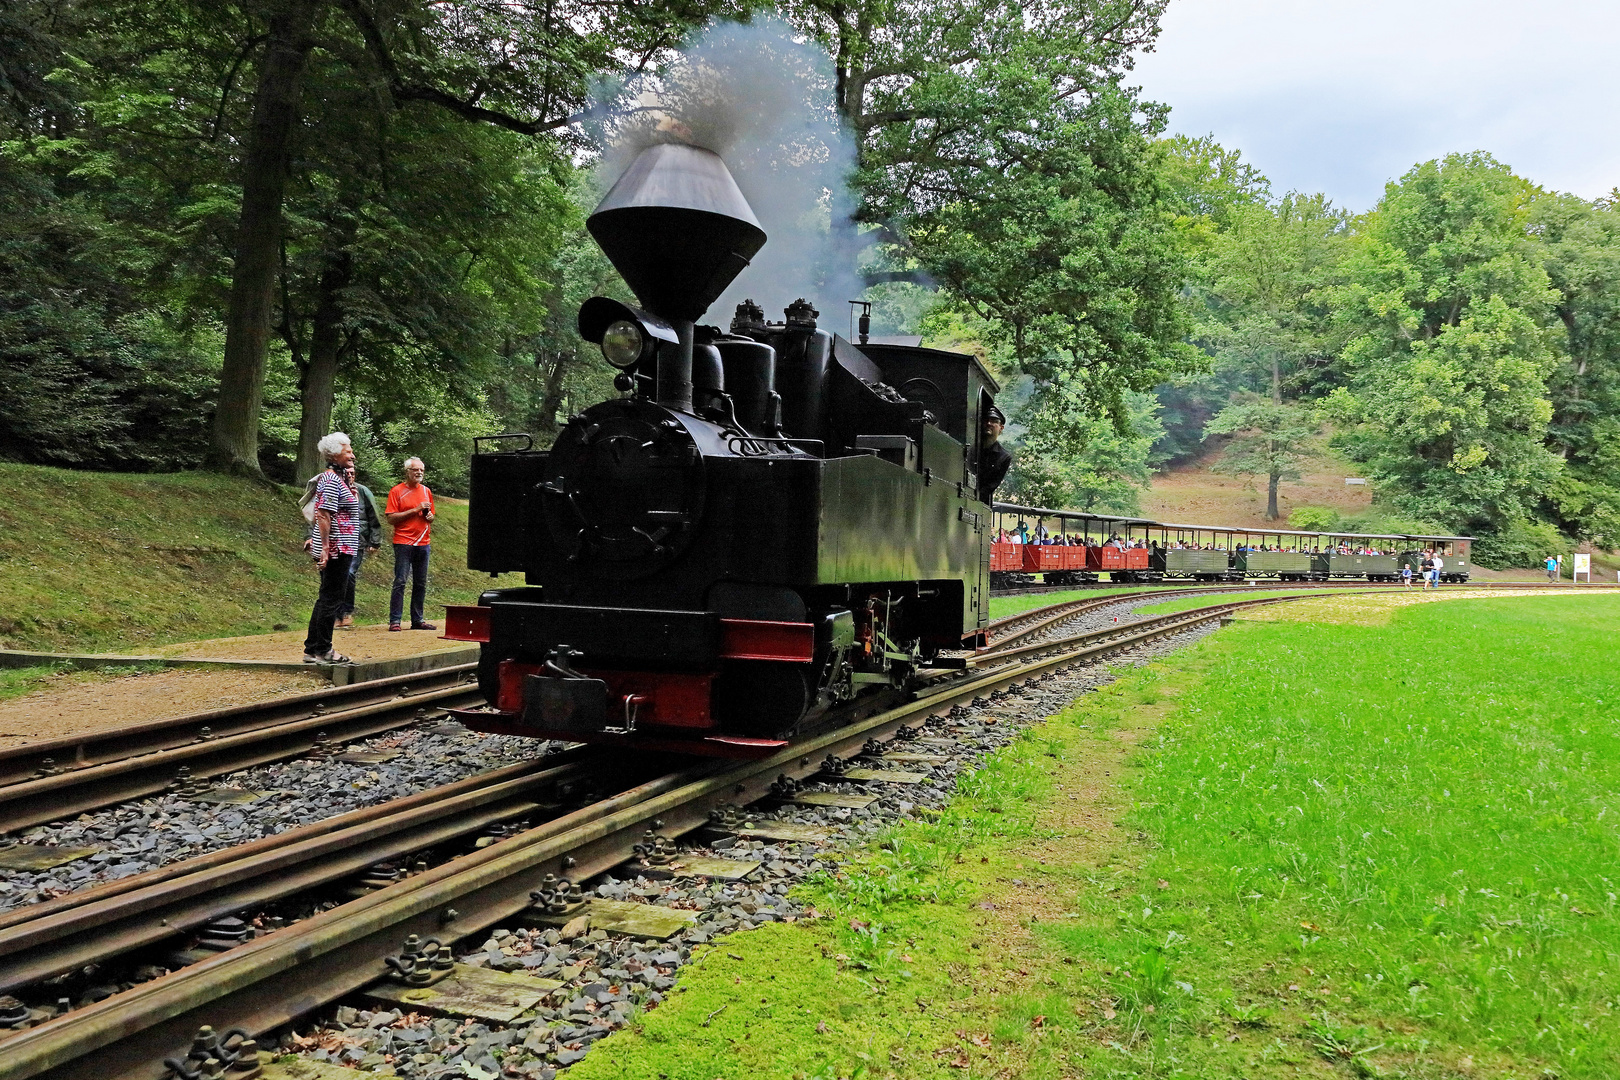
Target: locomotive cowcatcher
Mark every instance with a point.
(767, 522)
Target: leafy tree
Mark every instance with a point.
(1270, 439)
(1001, 157)
(1265, 320)
(526, 68)
(1104, 473)
(1445, 309)
(1579, 247)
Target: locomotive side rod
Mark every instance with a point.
(271, 981)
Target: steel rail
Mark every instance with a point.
(270, 981)
(69, 752)
(69, 932)
(63, 795)
(1178, 584)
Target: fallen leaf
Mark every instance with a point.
(1232, 1037)
(1150, 1009)
(1293, 986)
(1038, 1023)
(906, 957)
(1109, 1014)
(1163, 884)
(821, 1027)
(960, 1061)
(982, 1041)
(1312, 927)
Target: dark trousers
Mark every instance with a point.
(348, 590)
(334, 580)
(410, 561)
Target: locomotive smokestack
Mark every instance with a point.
(678, 230)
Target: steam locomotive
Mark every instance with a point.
(768, 520)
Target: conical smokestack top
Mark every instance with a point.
(677, 229)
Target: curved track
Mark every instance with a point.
(271, 980)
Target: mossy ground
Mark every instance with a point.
(1292, 849)
(121, 562)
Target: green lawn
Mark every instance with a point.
(1346, 850)
(112, 561)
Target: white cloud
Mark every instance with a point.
(1343, 95)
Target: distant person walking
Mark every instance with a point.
(371, 538)
(333, 543)
(410, 512)
(1552, 569)
(1434, 575)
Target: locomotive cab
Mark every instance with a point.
(768, 521)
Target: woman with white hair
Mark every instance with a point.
(335, 540)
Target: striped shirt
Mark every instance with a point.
(332, 494)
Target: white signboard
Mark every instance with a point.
(1583, 565)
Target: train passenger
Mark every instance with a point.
(994, 460)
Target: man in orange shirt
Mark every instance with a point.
(410, 512)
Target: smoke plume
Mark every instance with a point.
(764, 102)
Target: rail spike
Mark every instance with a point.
(418, 962)
(233, 1056)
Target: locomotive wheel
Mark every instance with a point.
(761, 699)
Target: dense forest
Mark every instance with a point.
(229, 227)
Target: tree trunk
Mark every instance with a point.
(1272, 513)
(325, 343)
(235, 446)
(551, 396)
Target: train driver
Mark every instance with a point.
(994, 460)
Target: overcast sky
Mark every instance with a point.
(1341, 96)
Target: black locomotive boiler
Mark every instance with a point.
(768, 521)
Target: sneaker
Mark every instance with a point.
(424, 626)
(395, 626)
(311, 658)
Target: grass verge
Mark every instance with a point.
(1289, 850)
(112, 561)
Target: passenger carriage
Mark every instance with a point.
(1382, 565)
(1141, 550)
(1196, 552)
(1453, 551)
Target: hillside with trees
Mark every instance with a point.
(227, 228)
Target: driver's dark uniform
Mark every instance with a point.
(993, 465)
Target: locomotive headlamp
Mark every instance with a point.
(623, 343)
(626, 334)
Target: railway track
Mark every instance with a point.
(269, 981)
(49, 781)
(1178, 584)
